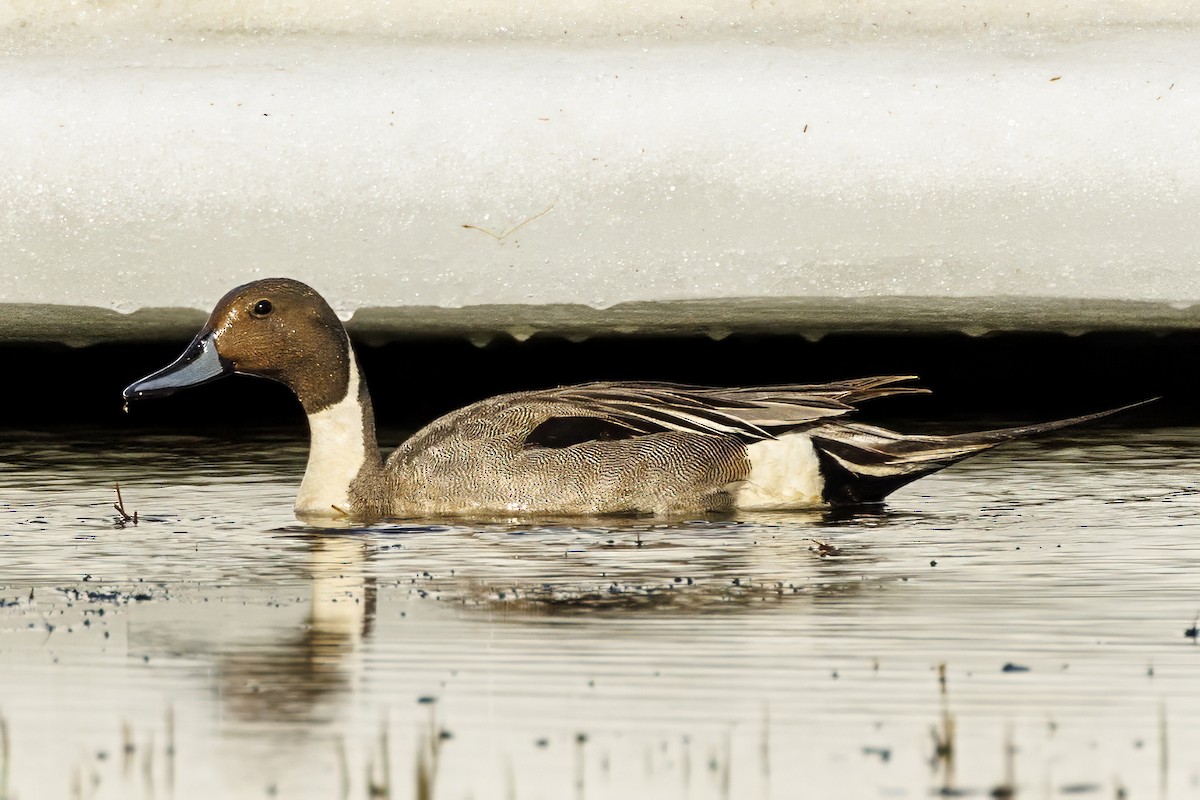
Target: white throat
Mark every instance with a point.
(335, 455)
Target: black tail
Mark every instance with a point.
(864, 464)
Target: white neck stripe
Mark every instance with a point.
(336, 453)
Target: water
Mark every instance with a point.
(219, 648)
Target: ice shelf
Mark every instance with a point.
(585, 167)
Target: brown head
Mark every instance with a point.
(274, 328)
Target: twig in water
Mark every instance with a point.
(148, 766)
(120, 507)
(4, 757)
(1009, 787)
(128, 748)
(825, 549)
(170, 751)
(1164, 759)
(428, 753)
(943, 738)
(501, 236)
(382, 789)
(343, 768)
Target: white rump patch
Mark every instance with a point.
(784, 473)
(335, 454)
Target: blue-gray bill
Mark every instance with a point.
(199, 364)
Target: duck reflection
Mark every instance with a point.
(515, 572)
(515, 569)
(299, 677)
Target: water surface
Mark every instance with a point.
(1017, 623)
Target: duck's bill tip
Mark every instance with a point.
(146, 388)
(199, 364)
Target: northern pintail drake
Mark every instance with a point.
(595, 448)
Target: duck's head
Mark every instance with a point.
(274, 328)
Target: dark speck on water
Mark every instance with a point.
(884, 753)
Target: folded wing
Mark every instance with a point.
(622, 410)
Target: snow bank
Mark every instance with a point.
(430, 155)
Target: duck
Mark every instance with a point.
(592, 449)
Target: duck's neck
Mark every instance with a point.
(343, 457)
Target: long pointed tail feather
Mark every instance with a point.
(1002, 435)
(863, 463)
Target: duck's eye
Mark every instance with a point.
(262, 308)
